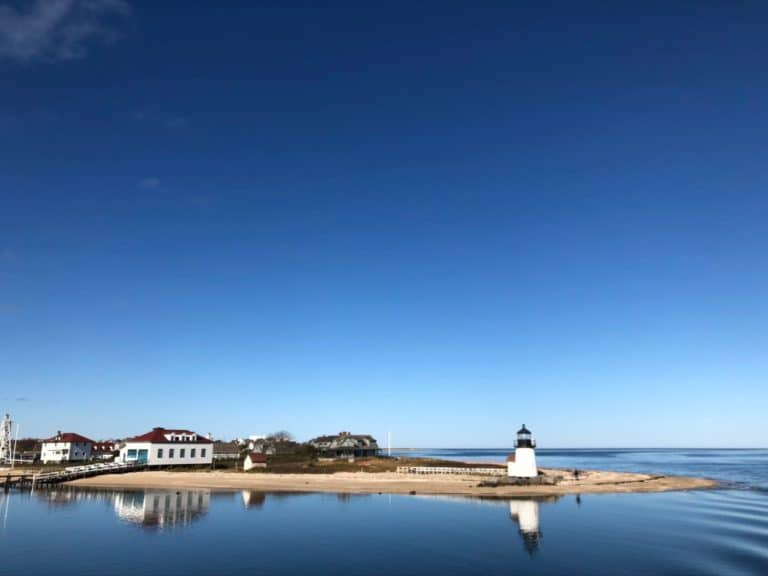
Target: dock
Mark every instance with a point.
(29, 481)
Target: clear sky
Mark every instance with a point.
(442, 219)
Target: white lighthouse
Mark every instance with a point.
(522, 464)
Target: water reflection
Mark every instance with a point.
(253, 499)
(698, 532)
(160, 509)
(526, 514)
(146, 508)
(256, 499)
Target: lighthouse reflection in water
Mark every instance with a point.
(163, 509)
(526, 514)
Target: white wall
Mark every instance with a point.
(249, 465)
(524, 465)
(154, 458)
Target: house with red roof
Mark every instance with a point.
(167, 447)
(255, 460)
(66, 447)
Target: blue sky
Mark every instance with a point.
(441, 219)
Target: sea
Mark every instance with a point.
(75, 531)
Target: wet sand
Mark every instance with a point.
(396, 483)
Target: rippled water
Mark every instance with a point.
(71, 531)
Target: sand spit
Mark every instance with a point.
(588, 482)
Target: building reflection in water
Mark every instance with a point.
(253, 499)
(162, 509)
(526, 514)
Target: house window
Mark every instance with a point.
(192, 453)
(202, 452)
(159, 452)
(170, 452)
(181, 452)
(131, 453)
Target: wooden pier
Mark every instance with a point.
(29, 481)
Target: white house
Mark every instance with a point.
(162, 447)
(66, 447)
(522, 464)
(345, 445)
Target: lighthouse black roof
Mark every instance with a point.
(523, 430)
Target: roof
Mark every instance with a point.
(157, 436)
(225, 447)
(511, 458)
(68, 437)
(258, 458)
(523, 430)
(343, 436)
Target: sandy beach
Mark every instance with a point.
(395, 483)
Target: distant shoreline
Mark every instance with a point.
(589, 482)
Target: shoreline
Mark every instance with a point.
(589, 482)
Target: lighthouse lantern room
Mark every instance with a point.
(522, 464)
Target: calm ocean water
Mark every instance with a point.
(735, 468)
(720, 532)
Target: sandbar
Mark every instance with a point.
(588, 482)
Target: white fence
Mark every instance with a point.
(73, 472)
(451, 470)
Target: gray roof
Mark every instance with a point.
(226, 448)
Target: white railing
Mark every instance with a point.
(451, 470)
(72, 472)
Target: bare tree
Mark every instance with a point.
(281, 436)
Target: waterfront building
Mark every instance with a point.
(522, 464)
(345, 445)
(165, 447)
(66, 447)
(255, 460)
